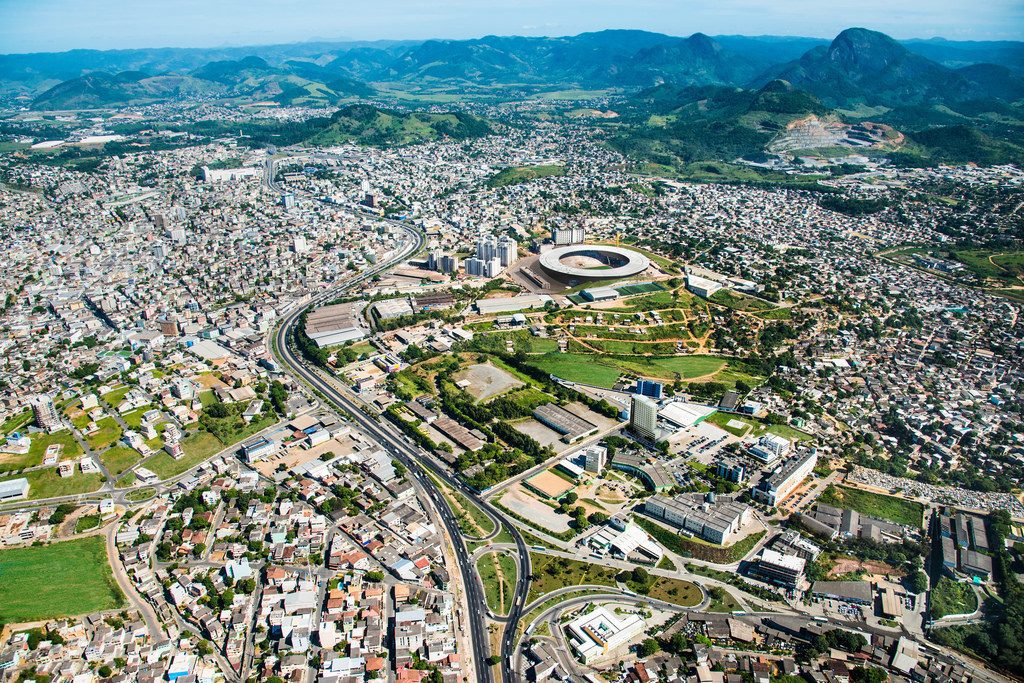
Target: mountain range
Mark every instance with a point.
(859, 67)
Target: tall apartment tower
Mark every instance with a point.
(567, 235)
(507, 251)
(45, 413)
(643, 416)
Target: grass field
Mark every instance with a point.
(498, 590)
(757, 428)
(701, 550)
(119, 458)
(522, 174)
(897, 510)
(10, 462)
(109, 432)
(739, 302)
(116, 396)
(198, 447)
(57, 580)
(16, 422)
(46, 483)
(676, 591)
(558, 572)
(604, 371)
(951, 597)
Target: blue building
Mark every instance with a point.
(646, 387)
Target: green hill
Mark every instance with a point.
(367, 125)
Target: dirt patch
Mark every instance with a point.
(487, 381)
(848, 565)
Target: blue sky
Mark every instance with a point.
(49, 25)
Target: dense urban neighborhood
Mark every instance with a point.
(476, 391)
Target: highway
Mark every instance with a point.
(416, 462)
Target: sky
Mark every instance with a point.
(57, 25)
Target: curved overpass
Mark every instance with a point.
(401, 449)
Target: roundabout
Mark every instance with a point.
(583, 262)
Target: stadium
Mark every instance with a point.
(589, 262)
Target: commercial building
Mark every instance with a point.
(258, 447)
(643, 417)
(701, 286)
(654, 474)
(549, 485)
(333, 325)
(389, 309)
(857, 592)
(600, 631)
(14, 488)
(600, 294)
(774, 488)
(705, 517)
(567, 235)
(511, 304)
(570, 426)
(685, 415)
(770, 448)
(776, 567)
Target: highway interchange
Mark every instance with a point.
(415, 461)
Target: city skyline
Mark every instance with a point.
(102, 24)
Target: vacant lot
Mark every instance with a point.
(522, 174)
(558, 572)
(604, 371)
(676, 591)
(487, 381)
(907, 512)
(12, 461)
(46, 483)
(952, 597)
(198, 447)
(57, 580)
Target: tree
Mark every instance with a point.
(647, 648)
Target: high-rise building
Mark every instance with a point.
(507, 251)
(568, 235)
(159, 251)
(486, 247)
(288, 200)
(483, 267)
(449, 264)
(595, 458)
(45, 413)
(643, 416)
(434, 257)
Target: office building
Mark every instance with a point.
(731, 470)
(562, 236)
(770, 448)
(599, 631)
(774, 488)
(707, 517)
(45, 413)
(643, 416)
(595, 458)
(784, 570)
(648, 387)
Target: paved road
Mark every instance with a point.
(156, 631)
(416, 462)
